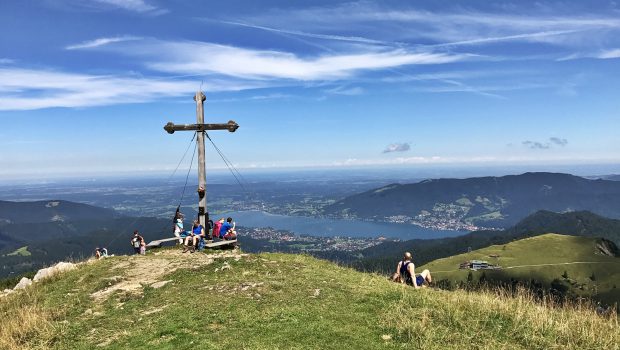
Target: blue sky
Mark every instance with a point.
(87, 85)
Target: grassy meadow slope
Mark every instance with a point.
(543, 258)
(225, 300)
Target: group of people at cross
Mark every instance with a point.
(223, 229)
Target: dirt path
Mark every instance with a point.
(538, 265)
(137, 271)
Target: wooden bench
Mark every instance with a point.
(157, 243)
(232, 242)
(209, 244)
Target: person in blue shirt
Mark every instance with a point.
(197, 232)
(227, 231)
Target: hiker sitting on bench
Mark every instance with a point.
(227, 231)
(197, 233)
(405, 273)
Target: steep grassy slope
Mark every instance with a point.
(231, 300)
(587, 270)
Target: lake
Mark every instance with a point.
(334, 227)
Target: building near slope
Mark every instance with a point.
(478, 265)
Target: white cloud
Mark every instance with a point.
(615, 53)
(446, 28)
(25, 89)
(6, 61)
(523, 37)
(140, 6)
(355, 39)
(192, 57)
(101, 42)
(346, 91)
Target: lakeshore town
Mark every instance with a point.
(307, 243)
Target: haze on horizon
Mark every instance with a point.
(87, 85)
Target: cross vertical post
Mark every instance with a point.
(200, 127)
(202, 173)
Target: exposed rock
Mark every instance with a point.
(316, 294)
(23, 283)
(50, 271)
(607, 247)
(6, 292)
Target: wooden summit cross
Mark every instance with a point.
(200, 127)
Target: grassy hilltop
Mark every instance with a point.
(577, 264)
(226, 300)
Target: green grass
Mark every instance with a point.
(23, 251)
(276, 301)
(552, 249)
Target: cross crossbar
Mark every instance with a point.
(230, 126)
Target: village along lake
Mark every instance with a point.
(326, 227)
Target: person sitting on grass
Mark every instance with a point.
(405, 273)
(227, 231)
(197, 232)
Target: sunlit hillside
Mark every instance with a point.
(226, 300)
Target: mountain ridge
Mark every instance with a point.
(482, 201)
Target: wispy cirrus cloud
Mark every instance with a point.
(448, 27)
(600, 54)
(346, 91)
(355, 39)
(27, 89)
(101, 42)
(228, 68)
(397, 147)
(140, 6)
(607, 54)
(195, 57)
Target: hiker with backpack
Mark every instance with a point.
(138, 244)
(405, 273)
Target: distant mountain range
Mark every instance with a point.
(51, 211)
(34, 234)
(482, 201)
